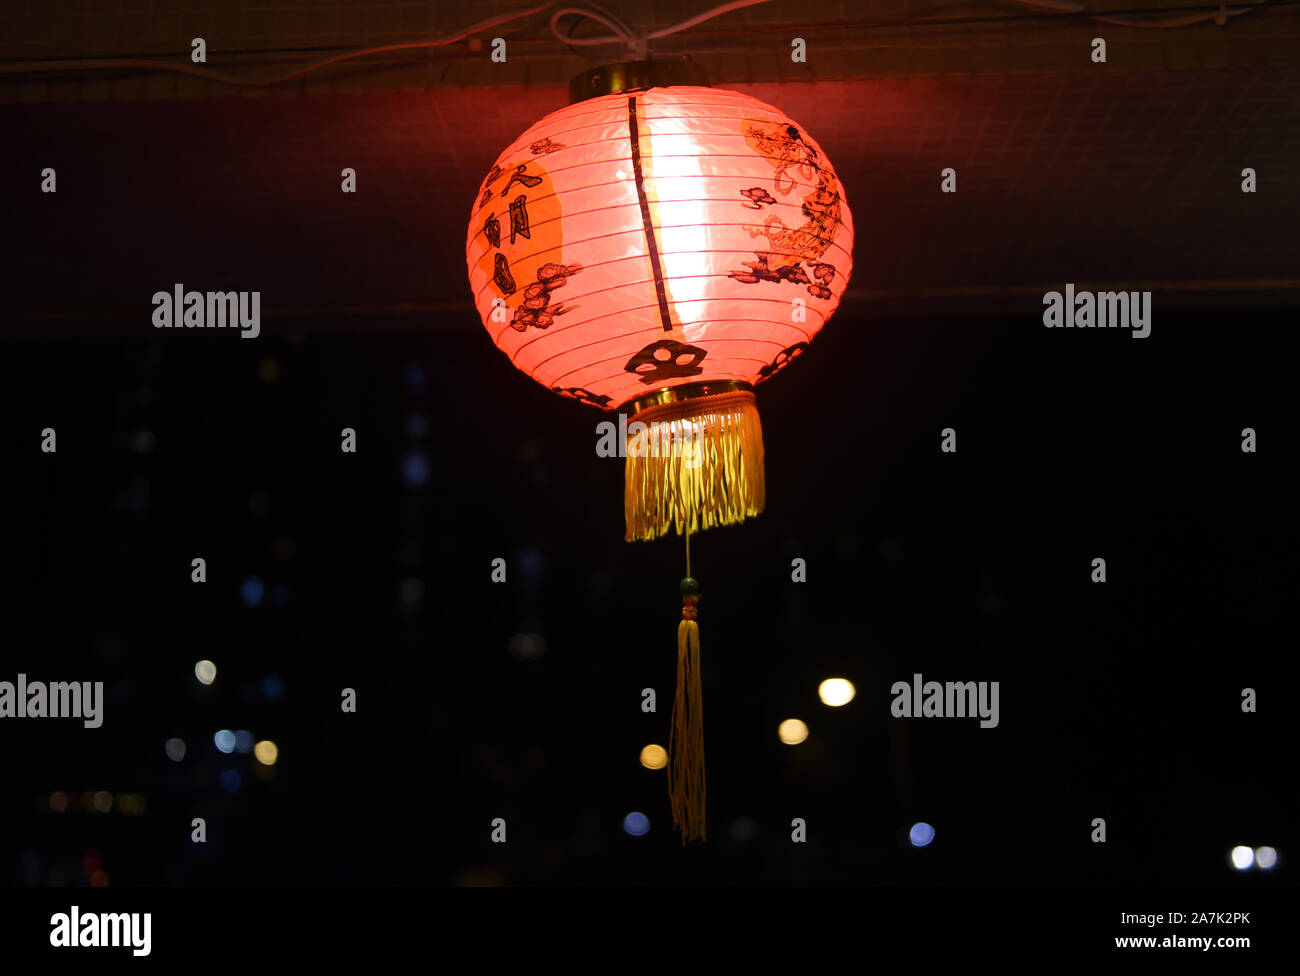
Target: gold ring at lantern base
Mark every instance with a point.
(694, 463)
(687, 391)
(622, 76)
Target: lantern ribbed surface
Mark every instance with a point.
(646, 240)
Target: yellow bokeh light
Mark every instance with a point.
(131, 804)
(654, 757)
(266, 752)
(792, 731)
(205, 671)
(836, 692)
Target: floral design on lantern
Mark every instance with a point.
(787, 150)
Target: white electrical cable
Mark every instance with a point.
(628, 37)
(1064, 5)
(1123, 21)
(624, 27)
(620, 36)
(635, 42)
(707, 15)
(225, 79)
(1220, 16)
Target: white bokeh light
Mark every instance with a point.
(836, 692)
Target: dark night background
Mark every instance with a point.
(372, 570)
(1118, 700)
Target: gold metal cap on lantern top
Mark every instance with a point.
(610, 79)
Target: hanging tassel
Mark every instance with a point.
(686, 741)
(694, 464)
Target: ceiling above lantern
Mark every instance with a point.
(1127, 172)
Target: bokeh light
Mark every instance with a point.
(175, 749)
(792, 731)
(654, 757)
(1242, 858)
(415, 468)
(103, 801)
(58, 801)
(143, 441)
(224, 740)
(636, 824)
(527, 647)
(921, 834)
(230, 780)
(414, 377)
(243, 742)
(412, 592)
(99, 879)
(743, 830)
(1265, 857)
(266, 752)
(273, 687)
(252, 591)
(836, 692)
(205, 671)
(529, 561)
(417, 424)
(259, 503)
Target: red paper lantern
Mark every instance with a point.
(659, 248)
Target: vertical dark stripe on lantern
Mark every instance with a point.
(635, 136)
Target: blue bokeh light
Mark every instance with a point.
(251, 591)
(636, 824)
(417, 425)
(921, 835)
(530, 561)
(415, 468)
(273, 687)
(414, 377)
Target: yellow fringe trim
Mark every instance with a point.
(696, 464)
(686, 740)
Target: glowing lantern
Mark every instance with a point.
(659, 248)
